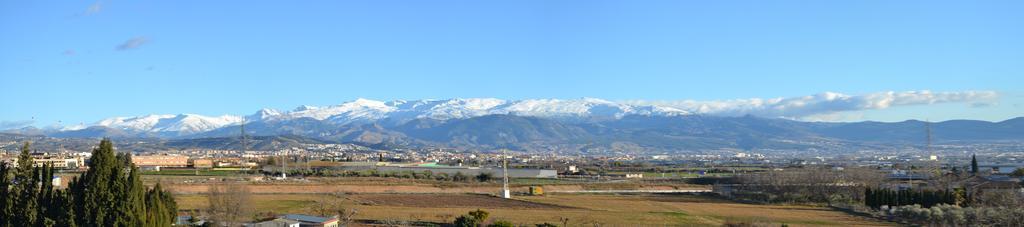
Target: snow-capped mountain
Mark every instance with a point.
(574, 125)
(398, 111)
(170, 124)
(364, 110)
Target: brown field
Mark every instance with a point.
(447, 201)
(578, 209)
(393, 185)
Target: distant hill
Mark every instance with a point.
(235, 143)
(584, 125)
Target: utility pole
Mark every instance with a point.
(933, 167)
(284, 166)
(243, 137)
(504, 171)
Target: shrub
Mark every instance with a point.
(501, 223)
(480, 215)
(484, 177)
(466, 221)
(460, 177)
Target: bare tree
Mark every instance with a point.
(230, 203)
(999, 198)
(813, 184)
(333, 205)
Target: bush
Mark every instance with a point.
(952, 215)
(466, 221)
(501, 223)
(480, 215)
(460, 177)
(473, 219)
(442, 176)
(484, 177)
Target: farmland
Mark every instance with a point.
(400, 205)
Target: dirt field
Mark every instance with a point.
(391, 185)
(447, 201)
(574, 209)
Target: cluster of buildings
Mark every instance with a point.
(58, 161)
(287, 220)
(79, 161)
(446, 169)
(155, 162)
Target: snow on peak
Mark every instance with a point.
(365, 102)
(366, 111)
(182, 123)
(572, 108)
(356, 110)
(454, 108)
(264, 114)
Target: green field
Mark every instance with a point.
(190, 172)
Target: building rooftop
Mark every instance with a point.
(307, 218)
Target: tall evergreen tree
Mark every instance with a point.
(160, 207)
(64, 208)
(95, 191)
(132, 207)
(6, 197)
(974, 164)
(111, 193)
(45, 200)
(25, 190)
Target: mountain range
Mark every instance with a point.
(585, 124)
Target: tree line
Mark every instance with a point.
(409, 174)
(953, 215)
(805, 185)
(879, 197)
(109, 193)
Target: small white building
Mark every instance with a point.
(279, 222)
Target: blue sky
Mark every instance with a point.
(81, 61)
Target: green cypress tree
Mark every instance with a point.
(111, 193)
(64, 206)
(867, 197)
(45, 209)
(117, 213)
(94, 193)
(25, 190)
(974, 164)
(883, 198)
(134, 198)
(169, 204)
(6, 197)
(160, 207)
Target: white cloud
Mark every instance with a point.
(823, 105)
(132, 43)
(94, 8)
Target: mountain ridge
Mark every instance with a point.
(539, 124)
(636, 133)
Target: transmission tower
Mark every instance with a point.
(244, 145)
(504, 171)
